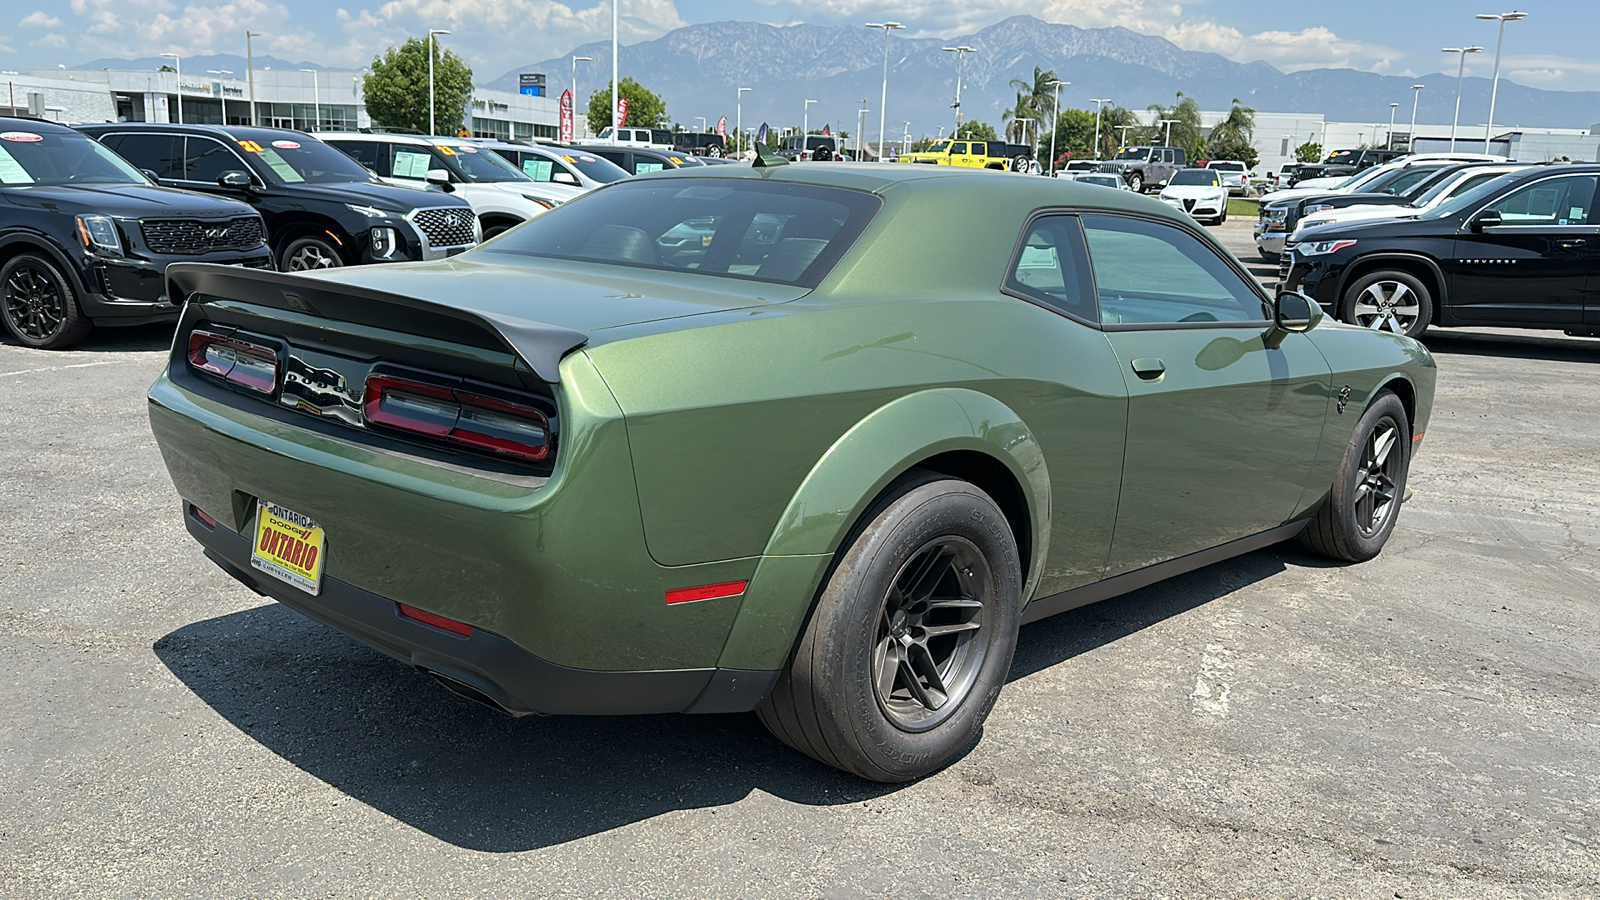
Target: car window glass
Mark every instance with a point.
(538, 168)
(205, 160)
(364, 152)
(1047, 269)
(1406, 179)
(411, 162)
(160, 153)
(644, 164)
(959, 147)
(980, 149)
(1149, 273)
(1553, 201)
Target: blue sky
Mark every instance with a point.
(1553, 48)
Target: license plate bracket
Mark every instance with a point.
(288, 546)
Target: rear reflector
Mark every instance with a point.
(428, 618)
(458, 416)
(236, 361)
(200, 514)
(706, 592)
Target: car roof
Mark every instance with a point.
(246, 132)
(387, 138)
(20, 123)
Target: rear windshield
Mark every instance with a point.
(1226, 166)
(727, 227)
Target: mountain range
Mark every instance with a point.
(698, 68)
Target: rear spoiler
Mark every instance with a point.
(538, 345)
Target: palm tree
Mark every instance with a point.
(1035, 99)
(1016, 116)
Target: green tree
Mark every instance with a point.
(1186, 131)
(1035, 99)
(645, 108)
(1113, 120)
(1309, 152)
(1074, 137)
(1234, 137)
(397, 90)
(977, 131)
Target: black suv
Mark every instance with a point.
(1520, 251)
(1349, 162)
(639, 160)
(85, 238)
(321, 207)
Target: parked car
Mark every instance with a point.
(1235, 174)
(85, 238)
(1103, 179)
(1142, 167)
(1448, 183)
(501, 196)
(648, 138)
(1080, 165)
(1519, 251)
(321, 209)
(821, 467)
(1349, 162)
(973, 154)
(640, 161)
(557, 165)
(698, 143)
(1198, 192)
(797, 148)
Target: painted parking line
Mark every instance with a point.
(103, 362)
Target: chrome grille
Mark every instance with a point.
(194, 236)
(1284, 262)
(446, 226)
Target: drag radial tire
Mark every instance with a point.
(912, 636)
(1360, 511)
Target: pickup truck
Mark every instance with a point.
(1141, 167)
(975, 154)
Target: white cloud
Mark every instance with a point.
(39, 19)
(50, 42)
(1291, 51)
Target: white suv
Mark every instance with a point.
(500, 194)
(623, 137)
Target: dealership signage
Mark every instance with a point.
(531, 83)
(567, 127)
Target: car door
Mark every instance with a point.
(1533, 268)
(205, 160)
(1223, 425)
(155, 152)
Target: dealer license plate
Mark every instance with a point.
(289, 547)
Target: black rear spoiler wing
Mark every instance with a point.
(538, 345)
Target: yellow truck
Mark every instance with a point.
(975, 154)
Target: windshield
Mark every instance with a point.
(1135, 153)
(730, 228)
(475, 166)
(1363, 180)
(1194, 176)
(301, 161)
(1102, 180)
(54, 157)
(596, 167)
(1469, 199)
(1451, 187)
(939, 147)
(1342, 156)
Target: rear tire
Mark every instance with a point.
(40, 307)
(1359, 513)
(911, 639)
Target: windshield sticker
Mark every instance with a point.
(21, 137)
(11, 171)
(280, 166)
(447, 151)
(250, 146)
(1575, 212)
(411, 164)
(286, 145)
(468, 149)
(676, 160)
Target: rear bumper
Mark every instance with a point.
(486, 666)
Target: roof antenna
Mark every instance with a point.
(765, 158)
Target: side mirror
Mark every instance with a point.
(1295, 313)
(441, 178)
(1489, 218)
(150, 174)
(564, 178)
(234, 178)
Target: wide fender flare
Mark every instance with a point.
(849, 476)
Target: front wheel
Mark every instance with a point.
(1389, 300)
(308, 254)
(1136, 183)
(911, 639)
(41, 309)
(1359, 513)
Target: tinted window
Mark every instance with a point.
(1407, 177)
(160, 153)
(1553, 201)
(288, 158)
(959, 147)
(738, 228)
(980, 149)
(1147, 272)
(1196, 177)
(364, 152)
(479, 166)
(1048, 269)
(205, 160)
(598, 168)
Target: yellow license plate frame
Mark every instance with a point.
(288, 546)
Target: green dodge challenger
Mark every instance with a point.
(810, 440)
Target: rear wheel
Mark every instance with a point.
(911, 639)
(41, 308)
(1389, 300)
(1358, 516)
(308, 254)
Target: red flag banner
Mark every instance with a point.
(826, 132)
(722, 126)
(622, 110)
(567, 128)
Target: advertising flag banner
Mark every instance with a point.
(826, 132)
(761, 135)
(622, 110)
(567, 128)
(722, 126)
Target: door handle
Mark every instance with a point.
(1149, 368)
(1569, 243)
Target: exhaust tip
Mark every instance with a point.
(471, 692)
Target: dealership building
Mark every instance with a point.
(305, 99)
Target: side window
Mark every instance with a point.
(1049, 269)
(959, 149)
(1554, 201)
(616, 156)
(364, 152)
(205, 160)
(1149, 273)
(980, 149)
(410, 162)
(160, 153)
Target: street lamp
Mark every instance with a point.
(1461, 70)
(905, 137)
(960, 52)
(738, 115)
(1099, 104)
(316, 101)
(883, 103)
(616, 88)
(178, 63)
(250, 72)
(432, 127)
(1168, 123)
(575, 60)
(1411, 139)
(1389, 144)
(702, 123)
(1122, 139)
(861, 130)
(805, 124)
(222, 92)
(1494, 85)
(1055, 123)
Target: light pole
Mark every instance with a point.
(316, 101)
(432, 127)
(1122, 139)
(575, 60)
(905, 137)
(178, 63)
(1055, 123)
(222, 92)
(1411, 139)
(1099, 104)
(616, 89)
(1494, 85)
(1389, 145)
(1461, 70)
(1168, 123)
(702, 123)
(738, 115)
(861, 128)
(960, 52)
(883, 103)
(250, 72)
(805, 124)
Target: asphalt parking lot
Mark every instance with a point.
(1423, 725)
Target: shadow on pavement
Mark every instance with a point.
(1547, 345)
(136, 338)
(390, 738)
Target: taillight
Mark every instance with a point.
(457, 415)
(234, 360)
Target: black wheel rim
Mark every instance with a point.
(930, 643)
(36, 303)
(1377, 484)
